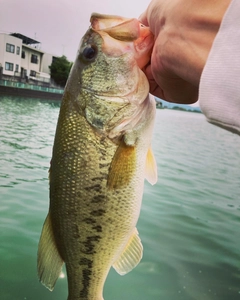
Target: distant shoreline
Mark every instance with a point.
(181, 109)
(162, 104)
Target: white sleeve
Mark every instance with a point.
(219, 91)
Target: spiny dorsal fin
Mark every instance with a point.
(151, 168)
(49, 262)
(122, 167)
(131, 255)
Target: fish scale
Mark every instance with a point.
(101, 155)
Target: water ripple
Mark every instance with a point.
(189, 223)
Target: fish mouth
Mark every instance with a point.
(123, 35)
(119, 28)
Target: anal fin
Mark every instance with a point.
(131, 255)
(49, 262)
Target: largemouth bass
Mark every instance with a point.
(101, 155)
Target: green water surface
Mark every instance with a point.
(189, 223)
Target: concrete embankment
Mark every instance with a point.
(10, 88)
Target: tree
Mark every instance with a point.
(60, 69)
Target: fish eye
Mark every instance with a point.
(89, 52)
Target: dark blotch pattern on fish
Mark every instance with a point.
(98, 199)
(89, 220)
(86, 277)
(103, 153)
(86, 261)
(104, 175)
(98, 212)
(89, 244)
(98, 228)
(97, 179)
(104, 165)
(95, 187)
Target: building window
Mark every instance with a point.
(17, 68)
(8, 66)
(10, 48)
(23, 54)
(34, 59)
(33, 73)
(18, 50)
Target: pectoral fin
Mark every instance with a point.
(131, 255)
(151, 168)
(122, 167)
(49, 262)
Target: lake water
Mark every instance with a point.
(189, 223)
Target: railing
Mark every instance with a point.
(30, 86)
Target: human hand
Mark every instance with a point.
(184, 31)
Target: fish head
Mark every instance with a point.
(108, 71)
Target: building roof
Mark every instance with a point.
(33, 48)
(26, 40)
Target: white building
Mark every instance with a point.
(10, 54)
(20, 57)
